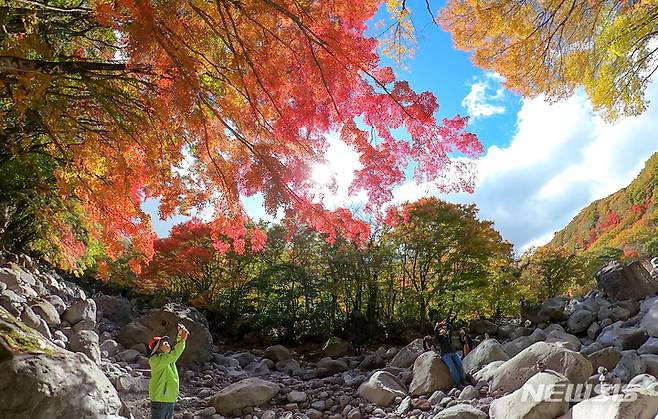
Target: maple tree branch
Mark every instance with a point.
(54, 8)
(23, 65)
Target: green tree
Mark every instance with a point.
(443, 250)
(552, 272)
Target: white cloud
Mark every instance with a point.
(486, 97)
(562, 158)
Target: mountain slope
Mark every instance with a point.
(626, 220)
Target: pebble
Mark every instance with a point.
(208, 411)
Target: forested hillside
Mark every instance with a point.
(625, 222)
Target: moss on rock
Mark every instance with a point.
(17, 338)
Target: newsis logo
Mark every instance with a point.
(575, 393)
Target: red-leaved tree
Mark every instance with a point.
(200, 103)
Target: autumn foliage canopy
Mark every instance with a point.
(199, 103)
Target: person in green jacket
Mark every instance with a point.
(163, 385)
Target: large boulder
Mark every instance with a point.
(42, 381)
(249, 392)
(630, 365)
(407, 355)
(580, 320)
(114, 308)
(631, 339)
(621, 282)
(488, 351)
(163, 321)
(86, 342)
(80, 310)
(483, 326)
(606, 357)
(565, 339)
(650, 321)
(430, 374)
(46, 311)
(622, 337)
(33, 320)
(519, 344)
(635, 404)
(515, 372)
(551, 401)
(336, 347)
(277, 353)
(329, 366)
(651, 361)
(650, 346)
(489, 372)
(57, 302)
(382, 388)
(553, 309)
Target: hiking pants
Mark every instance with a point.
(161, 410)
(455, 367)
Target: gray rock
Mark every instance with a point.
(469, 393)
(550, 404)
(128, 384)
(277, 353)
(46, 311)
(461, 411)
(621, 282)
(31, 319)
(486, 352)
(86, 342)
(84, 325)
(129, 355)
(328, 366)
(382, 388)
(47, 382)
(488, 372)
(646, 381)
(651, 361)
(632, 339)
(430, 374)
(650, 321)
(246, 393)
(336, 347)
(515, 372)
(519, 344)
(565, 339)
(287, 365)
(110, 346)
(607, 357)
(115, 308)
(407, 355)
(482, 326)
(296, 397)
(593, 330)
(644, 406)
(580, 320)
(80, 310)
(57, 302)
(649, 347)
(630, 365)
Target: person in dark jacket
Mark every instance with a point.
(443, 336)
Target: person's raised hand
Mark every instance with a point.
(182, 331)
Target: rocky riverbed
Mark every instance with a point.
(64, 354)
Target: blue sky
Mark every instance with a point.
(543, 162)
